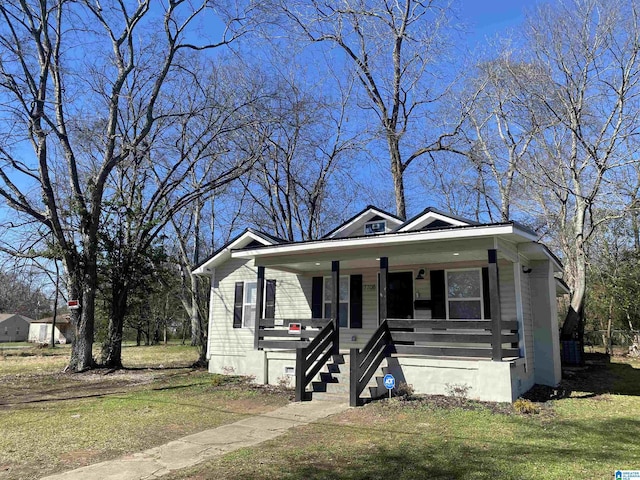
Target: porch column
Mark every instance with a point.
(259, 307)
(494, 296)
(335, 301)
(382, 301)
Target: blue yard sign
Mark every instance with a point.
(389, 382)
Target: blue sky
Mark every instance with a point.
(488, 17)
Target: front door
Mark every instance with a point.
(400, 295)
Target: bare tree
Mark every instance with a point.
(500, 128)
(69, 72)
(187, 158)
(589, 51)
(306, 159)
(395, 49)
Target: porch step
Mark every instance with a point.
(333, 381)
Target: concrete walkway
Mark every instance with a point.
(193, 449)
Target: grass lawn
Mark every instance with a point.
(52, 421)
(588, 434)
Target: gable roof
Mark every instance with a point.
(60, 319)
(6, 316)
(369, 211)
(245, 239)
(431, 215)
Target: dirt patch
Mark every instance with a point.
(23, 389)
(80, 457)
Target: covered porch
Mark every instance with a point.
(431, 302)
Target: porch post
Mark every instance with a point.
(382, 301)
(259, 307)
(335, 301)
(494, 296)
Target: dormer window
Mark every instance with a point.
(375, 228)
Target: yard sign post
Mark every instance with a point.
(389, 382)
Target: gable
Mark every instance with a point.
(247, 239)
(370, 221)
(431, 218)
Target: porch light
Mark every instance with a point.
(420, 275)
(317, 264)
(455, 254)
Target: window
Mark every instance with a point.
(464, 294)
(375, 228)
(344, 299)
(249, 304)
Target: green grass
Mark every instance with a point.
(588, 435)
(50, 422)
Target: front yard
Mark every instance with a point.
(588, 434)
(52, 422)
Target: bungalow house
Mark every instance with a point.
(14, 327)
(441, 302)
(40, 330)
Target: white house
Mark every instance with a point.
(40, 330)
(439, 301)
(14, 327)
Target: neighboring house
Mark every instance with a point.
(14, 327)
(40, 330)
(446, 304)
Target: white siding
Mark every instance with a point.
(527, 317)
(291, 302)
(507, 292)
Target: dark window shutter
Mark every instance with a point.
(438, 295)
(355, 301)
(316, 297)
(486, 298)
(237, 305)
(270, 300)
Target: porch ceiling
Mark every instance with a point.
(419, 253)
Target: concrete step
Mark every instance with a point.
(336, 397)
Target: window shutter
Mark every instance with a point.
(438, 295)
(355, 301)
(486, 298)
(270, 300)
(316, 297)
(237, 305)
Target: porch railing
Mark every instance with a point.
(311, 358)
(366, 362)
(454, 338)
(274, 333)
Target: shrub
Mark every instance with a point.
(458, 390)
(404, 390)
(524, 406)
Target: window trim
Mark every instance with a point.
(347, 280)
(465, 299)
(384, 227)
(245, 304)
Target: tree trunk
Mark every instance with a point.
(55, 306)
(112, 346)
(196, 333)
(397, 172)
(83, 321)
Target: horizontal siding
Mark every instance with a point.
(291, 302)
(527, 317)
(508, 308)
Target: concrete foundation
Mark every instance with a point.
(476, 379)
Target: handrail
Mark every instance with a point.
(365, 363)
(311, 358)
(273, 333)
(454, 338)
